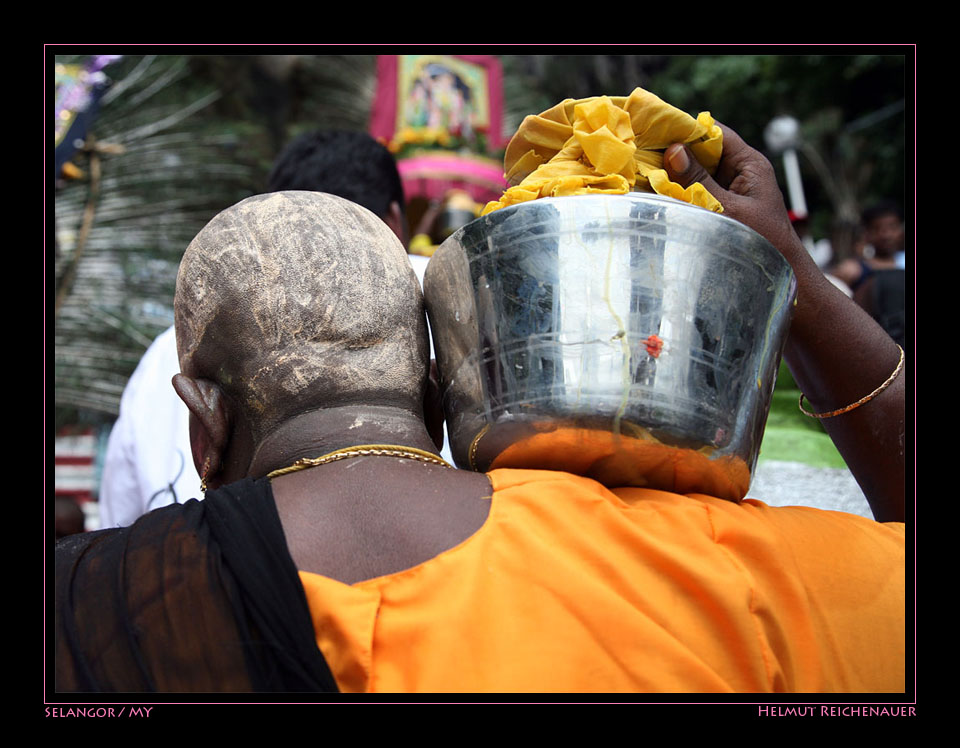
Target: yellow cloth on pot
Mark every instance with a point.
(607, 145)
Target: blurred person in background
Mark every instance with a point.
(877, 278)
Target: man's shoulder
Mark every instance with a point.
(182, 518)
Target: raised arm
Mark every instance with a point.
(836, 352)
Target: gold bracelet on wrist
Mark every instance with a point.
(862, 400)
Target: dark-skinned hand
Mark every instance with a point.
(836, 352)
(746, 186)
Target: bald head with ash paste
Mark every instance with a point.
(294, 301)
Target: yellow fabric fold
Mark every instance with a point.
(609, 145)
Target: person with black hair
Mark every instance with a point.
(883, 234)
(349, 164)
(878, 277)
(884, 231)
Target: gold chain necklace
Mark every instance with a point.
(362, 450)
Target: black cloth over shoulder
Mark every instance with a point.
(196, 597)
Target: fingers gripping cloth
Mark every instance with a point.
(607, 145)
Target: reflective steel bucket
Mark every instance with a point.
(634, 339)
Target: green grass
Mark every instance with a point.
(791, 436)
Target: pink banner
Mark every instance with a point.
(433, 174)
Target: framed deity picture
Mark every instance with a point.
(451, 101)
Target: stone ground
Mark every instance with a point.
(779, 483)
(799, 465)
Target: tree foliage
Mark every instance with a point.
(153, 170)
(851, 108)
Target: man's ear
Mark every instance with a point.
(209, 424)
(433, 406)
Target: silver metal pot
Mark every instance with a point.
(634, 339)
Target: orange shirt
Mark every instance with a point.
(572, 587)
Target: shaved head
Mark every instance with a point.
(294, 301)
